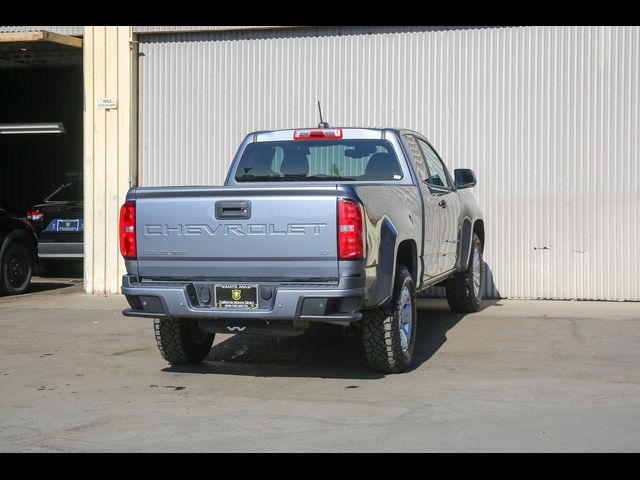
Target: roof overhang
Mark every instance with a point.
(39, 49)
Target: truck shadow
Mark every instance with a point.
(323, 352)
(435, 319)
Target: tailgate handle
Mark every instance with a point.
(233, 210)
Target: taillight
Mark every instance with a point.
(318, 134)
(35, 215)
(350, 230)
(128, 231)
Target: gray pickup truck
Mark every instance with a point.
(335, 225)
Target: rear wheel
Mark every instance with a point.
(16, 268)
(182, 341)
(389, 332)
(464, 289)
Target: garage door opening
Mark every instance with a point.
(41, 143)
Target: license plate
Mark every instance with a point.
(68, 225)
(236, 296)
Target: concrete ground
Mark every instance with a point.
(75, 375)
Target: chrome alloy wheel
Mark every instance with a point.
(476, 270)
(405, 319)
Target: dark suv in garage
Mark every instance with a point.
(18, 253)
(59, 222)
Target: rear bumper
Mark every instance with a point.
(60, 249)
(337, 303)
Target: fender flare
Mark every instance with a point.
(385, 271)
(466, 235)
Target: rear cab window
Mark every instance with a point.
(319, 160)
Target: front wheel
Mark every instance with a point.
(464, 289)
(16, 268)
(389, 332)
(182, 341)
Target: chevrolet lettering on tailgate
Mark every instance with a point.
(235, 229)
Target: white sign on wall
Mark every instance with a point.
(107, 103)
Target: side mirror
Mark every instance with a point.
(465, 178)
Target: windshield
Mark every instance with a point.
(70, 192)
(317, 160)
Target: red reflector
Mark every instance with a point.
(35, 215)
(128, 231)
(350, 230)
(318, 134)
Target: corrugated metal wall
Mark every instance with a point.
(547, 117)
(62, 29)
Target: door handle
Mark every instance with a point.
(442, 203)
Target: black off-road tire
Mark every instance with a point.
(16, 269)
(380, 329)
(461, 294)
(181, 341)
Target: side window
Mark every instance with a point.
(416, 157)
(438, 176)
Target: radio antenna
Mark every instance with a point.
(322, 124)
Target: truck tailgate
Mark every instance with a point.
(237, 233)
